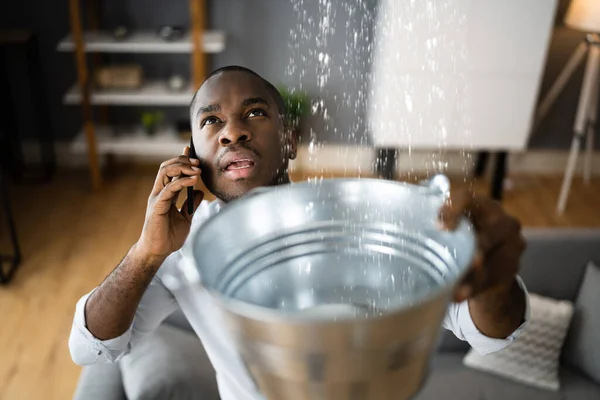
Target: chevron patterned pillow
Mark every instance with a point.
(533, 358)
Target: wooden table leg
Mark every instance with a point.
(386, 163)
(499, 174)
(481, 162)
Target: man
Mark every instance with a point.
(242, 143)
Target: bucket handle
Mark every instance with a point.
(439, 183)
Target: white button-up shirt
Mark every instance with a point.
(170, 290)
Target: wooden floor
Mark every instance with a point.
(72, 238)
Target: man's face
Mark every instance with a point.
(239, 135)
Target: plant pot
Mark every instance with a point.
(150, 130)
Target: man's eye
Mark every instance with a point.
(257, 113)
(209, 121)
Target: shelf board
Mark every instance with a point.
(152, 93)
(132, 141)
(142, 42)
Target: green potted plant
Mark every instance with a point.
(151, 120)
(297, 104)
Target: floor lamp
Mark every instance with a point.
(583, 15)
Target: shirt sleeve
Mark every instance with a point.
(458, 320)
(156, 304)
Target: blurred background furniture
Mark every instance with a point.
(474, 90)
(553, 266)
(23, 115)
(498, 173)
(23, 99)
(8, 262)
(583, 15)
(388, 157)
(98, 140)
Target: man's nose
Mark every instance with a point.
(235, 133)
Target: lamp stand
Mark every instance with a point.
(585, 120)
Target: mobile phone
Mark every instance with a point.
(190, 189)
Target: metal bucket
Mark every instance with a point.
(337, 289)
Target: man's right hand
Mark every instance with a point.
(166, 228)
(110, 309)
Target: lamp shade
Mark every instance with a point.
(584, 15)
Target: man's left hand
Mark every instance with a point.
(496, 301)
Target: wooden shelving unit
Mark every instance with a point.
(152, 93)
(130, 141)
(106, 139)
(143, 42)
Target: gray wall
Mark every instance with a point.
(259, 37)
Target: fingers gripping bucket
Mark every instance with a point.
(334, 290)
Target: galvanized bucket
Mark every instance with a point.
(336, 289)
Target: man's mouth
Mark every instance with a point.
(239, 164)
(239, 168)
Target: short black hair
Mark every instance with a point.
(279, 101)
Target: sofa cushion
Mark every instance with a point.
(450, 380)
(169, 364)
(554, 262)
(581, 347)
(533, 358)
(553, 265)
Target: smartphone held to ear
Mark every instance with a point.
(190, 189)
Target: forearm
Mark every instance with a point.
(110, 310)
(497, 313)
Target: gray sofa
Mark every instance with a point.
(172, 364)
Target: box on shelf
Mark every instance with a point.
(119, 77)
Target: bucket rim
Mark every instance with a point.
(273, 315)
